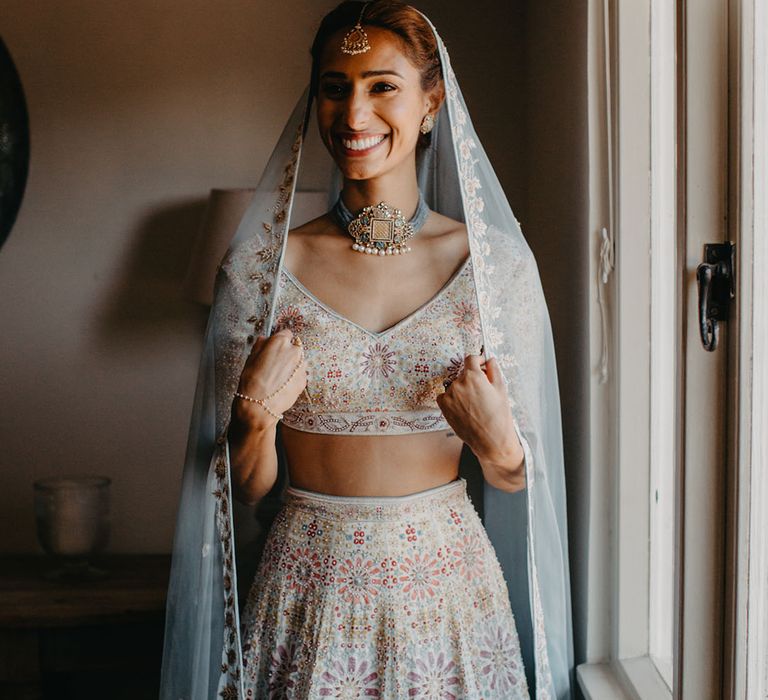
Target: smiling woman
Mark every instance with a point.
(361, 379)
(372, 107)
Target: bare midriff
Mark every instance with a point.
(371, 465)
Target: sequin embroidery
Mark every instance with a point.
(360, 381)
(389, 598)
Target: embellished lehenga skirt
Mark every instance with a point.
(394, 597)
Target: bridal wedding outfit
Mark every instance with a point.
(428, 595)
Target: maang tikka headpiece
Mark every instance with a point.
(356, 40)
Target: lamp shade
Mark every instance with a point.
(223, 213)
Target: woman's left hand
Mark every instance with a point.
(476, 406)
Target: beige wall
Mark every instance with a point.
(139, 108)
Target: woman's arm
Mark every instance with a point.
(252, 453)
(504, 466)
(275, 373)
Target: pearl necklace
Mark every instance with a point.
(381, 229)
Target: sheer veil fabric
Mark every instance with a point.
(202, 656)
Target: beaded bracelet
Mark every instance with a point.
(263, 402)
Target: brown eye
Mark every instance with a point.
(333, 89)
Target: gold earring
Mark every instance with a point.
(426, 124)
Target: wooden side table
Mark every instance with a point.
(95, 639)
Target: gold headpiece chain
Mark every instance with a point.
(356, 40)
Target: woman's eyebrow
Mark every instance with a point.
(366, 74)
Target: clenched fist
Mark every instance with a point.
(476, 406)
(275, 364)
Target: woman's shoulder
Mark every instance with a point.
(447, 235)
(442, 225)
(320, 225)
(315, 237)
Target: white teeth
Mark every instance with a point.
(362, 144)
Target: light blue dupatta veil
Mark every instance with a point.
(214, 537)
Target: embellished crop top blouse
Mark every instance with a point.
(378, 383)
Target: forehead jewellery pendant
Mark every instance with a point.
(381, 229)
(356, 40)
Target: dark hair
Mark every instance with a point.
(419, 43)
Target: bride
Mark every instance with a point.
(368, 363)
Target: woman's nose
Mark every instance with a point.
(357, 111)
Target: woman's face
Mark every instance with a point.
(370, 105)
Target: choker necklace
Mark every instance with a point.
(381, 229)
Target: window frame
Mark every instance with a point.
(618, 637)
(748, 615)
(618, 634)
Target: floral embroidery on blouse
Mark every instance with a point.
(360, 381)
(290, 317)
(466, 316)
(378, 360)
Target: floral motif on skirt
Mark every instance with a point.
(388, 598)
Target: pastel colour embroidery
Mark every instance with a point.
(389, 598)
(360, 381)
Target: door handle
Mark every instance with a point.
(715, 278)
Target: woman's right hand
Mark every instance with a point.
(272, 362)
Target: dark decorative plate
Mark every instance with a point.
(14, 143)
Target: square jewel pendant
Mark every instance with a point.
(382, 230)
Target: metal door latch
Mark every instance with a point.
(716, 289)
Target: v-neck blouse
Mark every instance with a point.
(378, 383)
